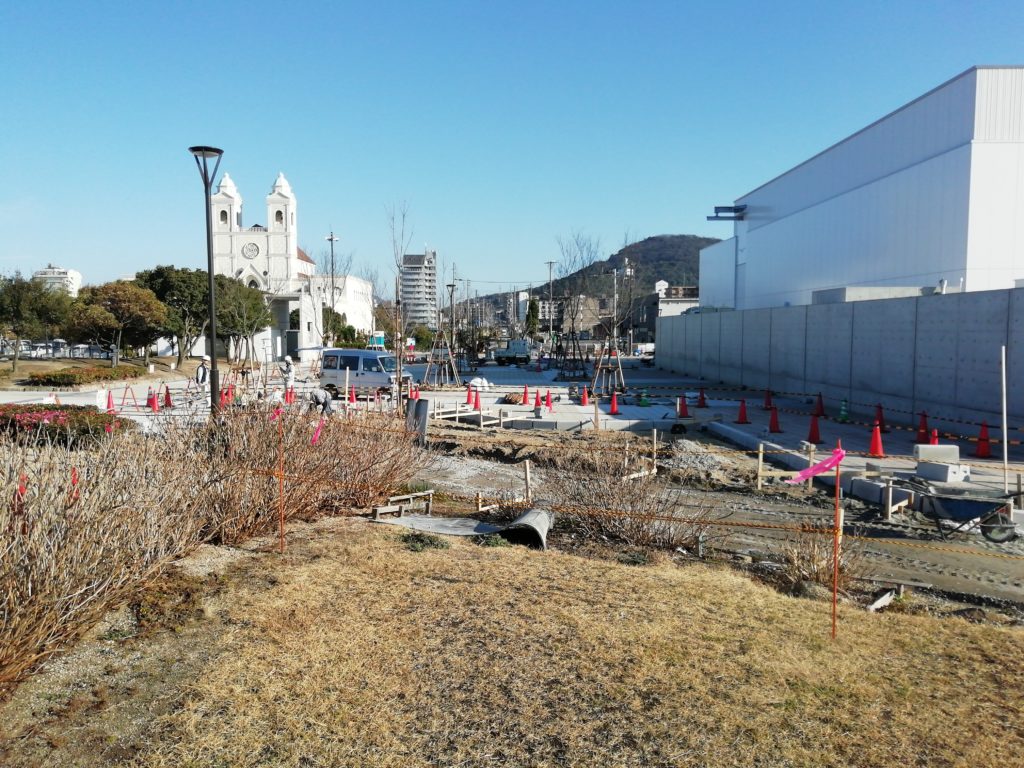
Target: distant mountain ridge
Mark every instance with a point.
(672, 258)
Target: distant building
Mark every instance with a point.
(269, 259)
(59, 279)
(419, 289)
(660, 287)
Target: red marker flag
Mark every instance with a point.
(822, 466)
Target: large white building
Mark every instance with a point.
(59, 279)
(419, 289)
(270, 259)
(928, 198)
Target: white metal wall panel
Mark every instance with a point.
(932, 125)
(999, 115)
(717, 270)
(995, 248)
(906, 229)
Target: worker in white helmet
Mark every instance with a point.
(288, 372)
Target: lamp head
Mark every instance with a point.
(206, 152)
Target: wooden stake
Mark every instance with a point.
(810, 463)
(529, 491)
(760, 463)
(887, 509)
(597, 417)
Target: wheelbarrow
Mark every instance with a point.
(988, 509)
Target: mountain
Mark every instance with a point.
(672, 258)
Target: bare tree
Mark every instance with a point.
(401, 235)
(579, 253)
(326, 288)
(623, 300)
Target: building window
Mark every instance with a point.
(279, 217)
(254, 284)
(223, 217)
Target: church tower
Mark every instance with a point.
(283, 233)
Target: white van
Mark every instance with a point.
(368, 369)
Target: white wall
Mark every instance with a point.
(717, 270)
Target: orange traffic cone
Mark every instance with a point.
(469, 395)
(150, 398)
(819, 408)
(701, 400)
(167, 397)
(547, 400)
(536, 401)
(614, 410)
(880, 418)
(741, 417)
(110, 402)
(526, 394)
(767, 400)
(934, 438)
(922, 429)
(876, 451)
(773, 421)
(585, 399)
(222, 399)
(476, 401)
(984, 449)
(156, 401)
(682, 411)
(813, 435)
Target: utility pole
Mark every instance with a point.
(551, 310)
(332, 240)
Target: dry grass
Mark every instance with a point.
(366, 654)
(809, 556)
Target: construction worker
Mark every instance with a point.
(203, 371)
(288, 372)
(320, 400)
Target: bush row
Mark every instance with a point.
(67, 425)
(69, 377)
(82, 527)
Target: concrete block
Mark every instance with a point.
(944, 454)
(868, 490)
(943, 473)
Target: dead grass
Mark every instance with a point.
(361, 653)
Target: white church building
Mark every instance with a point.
(269, 258)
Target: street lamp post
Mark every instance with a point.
(203, 156)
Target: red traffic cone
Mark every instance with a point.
(469, 395)
(767, 400)
(110, 402)
(526, 394)
(876, 451)
(922, 429)
(536, 401)
(682, 411)
(880, 418)
(167, 397)
(156, 401)
(819, 408)
(614, 410)
(934, 440)
(547, 400)
(741, 417)
(701, 400)
(150, 398)
(231, 393)
(773, 421)
(813, 435)
(585, 399)
(984, 449)
(476, 401)
(352, 394)
(222, 399)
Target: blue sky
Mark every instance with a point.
(501, 126)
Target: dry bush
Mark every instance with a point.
(593, 495)
(808, 557)
(67, 550)
(238, 460)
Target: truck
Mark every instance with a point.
(515, 352)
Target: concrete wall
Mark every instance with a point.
(934, 353)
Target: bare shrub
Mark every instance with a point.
(808, 557)
(597, 497)
(78, 529)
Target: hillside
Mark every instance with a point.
(673, 258)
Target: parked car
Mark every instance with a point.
(366, 369)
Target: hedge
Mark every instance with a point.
(62, 424)
(69, 377)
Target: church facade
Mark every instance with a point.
(269, 259)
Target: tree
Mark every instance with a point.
(242, 312)
(424, 337)
(532, 318)
(28, 309)
(185, 292)
(579, 253)
(118, 313)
